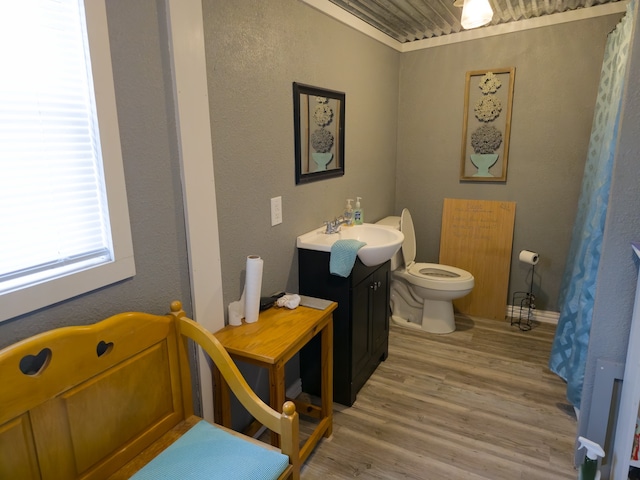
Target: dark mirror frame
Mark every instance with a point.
(304, 123)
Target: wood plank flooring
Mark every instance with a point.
(477, 404)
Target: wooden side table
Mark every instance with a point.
(270, 342)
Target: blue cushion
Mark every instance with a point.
(208, 452)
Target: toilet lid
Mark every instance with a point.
(409, 243)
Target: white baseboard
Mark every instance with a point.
(543, 316)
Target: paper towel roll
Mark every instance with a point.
(252, 288)
(528, 257)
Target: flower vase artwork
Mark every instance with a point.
(321, 138)
(486, 139)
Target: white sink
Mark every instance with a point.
(382, 242)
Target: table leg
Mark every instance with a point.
(222, 400)
(276, 394)
(326, 385)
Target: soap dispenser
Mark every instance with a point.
(348, 212)
(358, 213)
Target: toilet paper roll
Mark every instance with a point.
(236, 312)
(528, 257)
(252, 288)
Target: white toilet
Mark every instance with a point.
(422, 293)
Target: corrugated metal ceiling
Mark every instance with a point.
(411, 20)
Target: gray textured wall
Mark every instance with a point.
(145, 113)
(557, 74)
(252, 63)
(254, 54)
(255, 50)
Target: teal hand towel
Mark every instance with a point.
(343, 256)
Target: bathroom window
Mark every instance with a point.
(63, 209)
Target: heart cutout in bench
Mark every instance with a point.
(103, 348)
(35, 364)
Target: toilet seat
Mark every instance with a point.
(439, 273)
(437, 277)
(428, 275)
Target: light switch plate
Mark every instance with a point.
(276, 211)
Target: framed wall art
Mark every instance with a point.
(487, 125)
(318, 119)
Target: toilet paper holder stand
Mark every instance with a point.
(527, 303)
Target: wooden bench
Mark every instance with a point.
(104, 400)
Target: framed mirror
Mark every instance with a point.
(318, 119)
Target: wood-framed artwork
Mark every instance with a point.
(318, 119)
(487, 125)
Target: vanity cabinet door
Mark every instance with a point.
(380, 315)
(360, 323)
(361, 326)
(370, 327)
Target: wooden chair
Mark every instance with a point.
(115, 398)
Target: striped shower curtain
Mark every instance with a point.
(577, 290)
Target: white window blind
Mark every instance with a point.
(54, 204)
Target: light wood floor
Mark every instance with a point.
(479, 403)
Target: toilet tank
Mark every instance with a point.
(393, 221)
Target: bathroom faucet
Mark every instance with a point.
(334, 226)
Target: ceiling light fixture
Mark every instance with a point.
(475, 13)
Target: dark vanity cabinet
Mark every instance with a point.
(360, 323)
